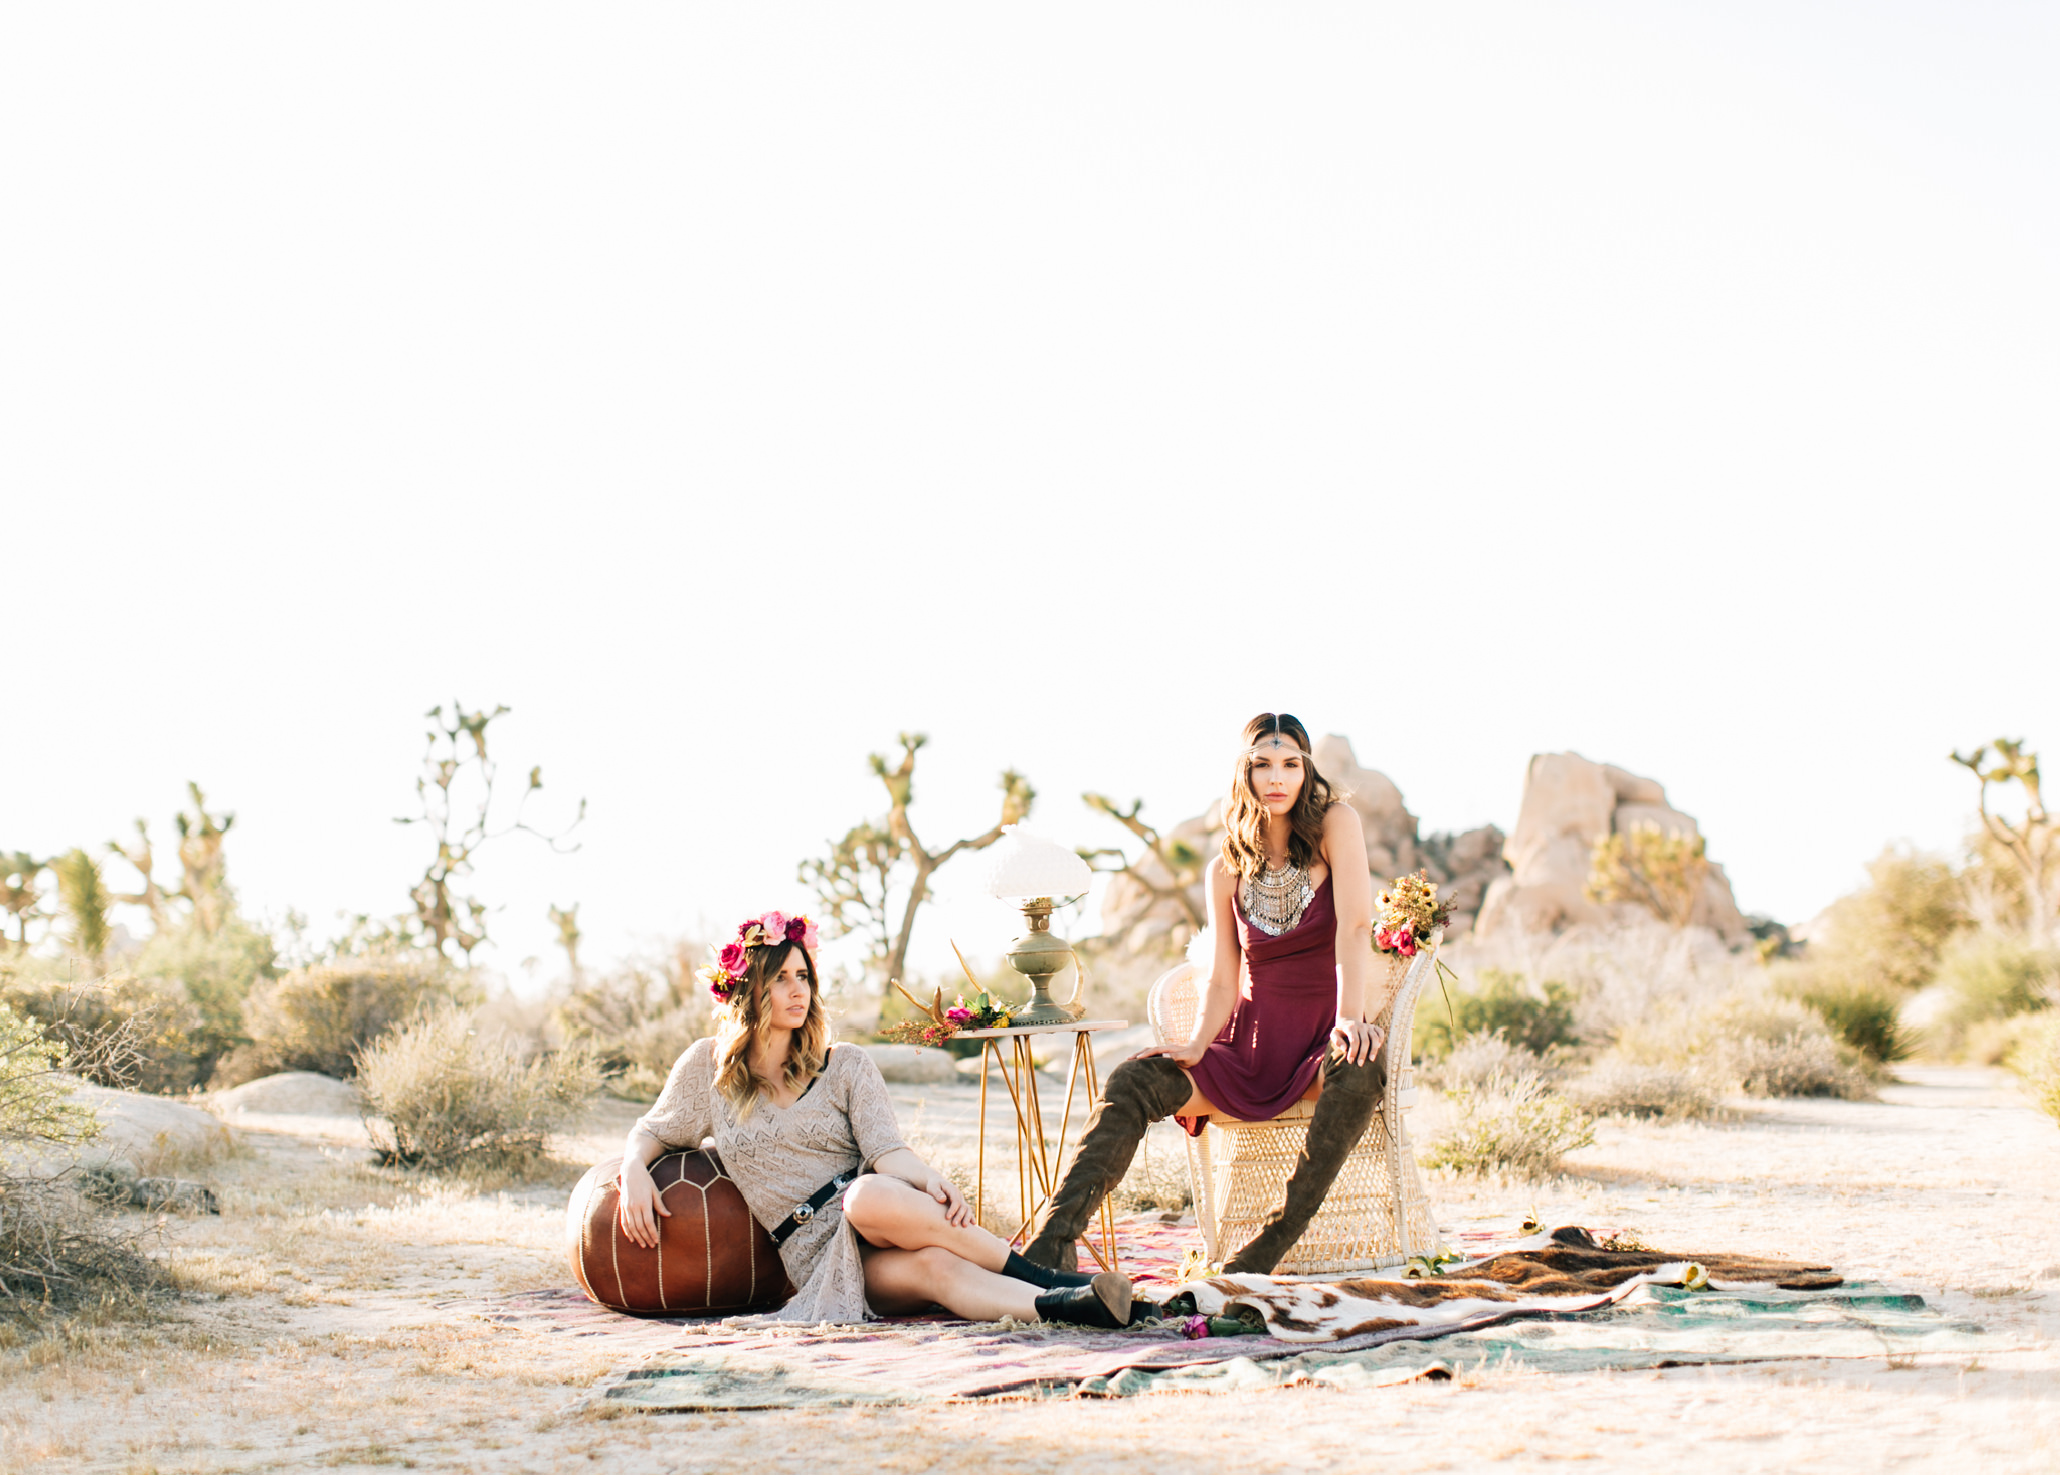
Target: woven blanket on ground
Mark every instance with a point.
(1559, 1301)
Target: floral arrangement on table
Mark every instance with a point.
(1409, 913)
(937, 1024)
(727, 971)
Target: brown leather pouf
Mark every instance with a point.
(712, 1256)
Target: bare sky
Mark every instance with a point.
(726, 388)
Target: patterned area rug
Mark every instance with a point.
(1557, 1302)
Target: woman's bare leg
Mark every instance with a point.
(889, 1213)
(902, 1282)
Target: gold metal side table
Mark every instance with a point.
(1037, 1161)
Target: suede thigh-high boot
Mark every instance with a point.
(1346, 1104)
(1136, 1094)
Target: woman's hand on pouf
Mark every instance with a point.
(638, 1199)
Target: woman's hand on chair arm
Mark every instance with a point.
(638, 1205)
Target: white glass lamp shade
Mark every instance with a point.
(1024, 865)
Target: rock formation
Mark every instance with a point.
(1463, 865)
(1569, 805)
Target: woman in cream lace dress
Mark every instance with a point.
(864, 1226)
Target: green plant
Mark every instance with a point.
(1660, 870)
(438, 1096)
(1500, 1003)
(217, 972)
(83, 894)
(1989, 975)
(320, 1018)
(1859, 1010)
(1774, 1046)
(2037, 1059)
(55, 1251)
(1513, 1124)
(120, 1030)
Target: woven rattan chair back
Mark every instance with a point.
(1377, 1213)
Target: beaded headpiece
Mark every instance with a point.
(727, 971)
(1273, 745)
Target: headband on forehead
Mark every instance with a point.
(1273, 744)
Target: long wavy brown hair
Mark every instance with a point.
(1244, 819)
(745, 1020)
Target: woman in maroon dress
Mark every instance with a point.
(1286, 1002)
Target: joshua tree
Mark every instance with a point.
(1661, 871)
(143, 857)
(20, 897)
(2033, 842)
(1180, 860)
(567, 922)
(85, 899)
(204, 885)
(456, 744)
(855, 881)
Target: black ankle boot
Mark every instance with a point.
(1350, 1095)
(1103, 1302)
(1136, 1094)
(1042, 1276)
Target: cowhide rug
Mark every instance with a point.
(1558, 1273)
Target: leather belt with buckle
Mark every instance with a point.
(804, 1214)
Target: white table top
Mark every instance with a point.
(1071, 1027)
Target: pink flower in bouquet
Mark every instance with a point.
(732, 959)
(1194, 1328)
(958, 1016)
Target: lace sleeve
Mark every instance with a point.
(684, 1113)
(871, 1114)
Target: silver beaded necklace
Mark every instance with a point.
(1274, 898)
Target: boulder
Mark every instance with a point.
(913, 1065)
(1569, 806)
(290, 1093)
(1463, 865)
(133, 1125)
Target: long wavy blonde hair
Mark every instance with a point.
(745, 1021)
(1244, 818)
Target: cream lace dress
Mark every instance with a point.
(779, 1157)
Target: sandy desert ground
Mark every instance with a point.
(313, 1329)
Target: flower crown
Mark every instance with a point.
(727, 971)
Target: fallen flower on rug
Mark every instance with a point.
(1562, 1272)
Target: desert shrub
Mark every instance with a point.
(439, 1096)
(1862, 1011)
(1893, 929)
(2037, 1059)
(1991, 975)
(139, 1033)
(1499, 1003)
(1479, 1059)
(1617, 1087)
(216, 972)
(1775, 1046)
(1513, 1124)
(55, 1251)
(639, 1018)
(321, 1018)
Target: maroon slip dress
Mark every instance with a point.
(1269, 1052)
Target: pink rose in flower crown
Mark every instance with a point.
(801, 930)
(775, 925)
(732, 959)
